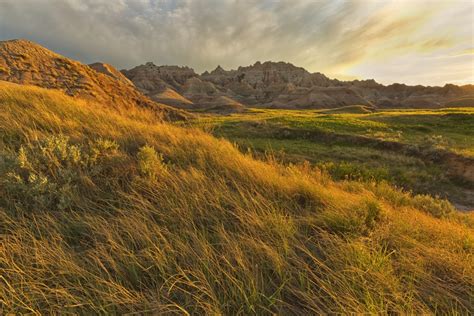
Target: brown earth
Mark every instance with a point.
(110, 71)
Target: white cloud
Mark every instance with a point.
(331, 36)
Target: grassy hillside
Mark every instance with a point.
(103, 212)
(28, 63)
(412, 149)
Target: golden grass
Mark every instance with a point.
(106, 212)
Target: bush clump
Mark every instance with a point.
(150, 163)
(54, 173)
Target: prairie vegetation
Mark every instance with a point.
(102, 212)
(404, 147)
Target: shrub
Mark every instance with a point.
(349, 171)
(150, 164)
(432, 205)
(374, 214)
(435, 206)
(434, 142)
(48, 174)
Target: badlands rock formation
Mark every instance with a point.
(24, 62)
(180, 87)
(283, 85)
(268, 84)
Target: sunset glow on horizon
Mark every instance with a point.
(412, 42)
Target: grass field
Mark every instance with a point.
(103, 212)
(295, 136)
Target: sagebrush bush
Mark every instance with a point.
(51, 173)
(434, 206)
(351, 171)
(150, 163)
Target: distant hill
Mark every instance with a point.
(25, 62)
(165, 88)
(283, 85)
(110, 71)
(182, 88)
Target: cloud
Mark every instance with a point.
(346, 38)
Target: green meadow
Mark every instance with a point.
(356, 143)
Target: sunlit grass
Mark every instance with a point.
(104, 212)
(298, 135)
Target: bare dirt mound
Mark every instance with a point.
(225, 105)
(24, 62)
(171, 97)
(110, 71)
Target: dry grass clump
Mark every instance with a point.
(4, 70)
(103, 212)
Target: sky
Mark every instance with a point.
(428, 42)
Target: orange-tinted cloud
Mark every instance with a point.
(349, 38)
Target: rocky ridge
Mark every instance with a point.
(183, 88)
(283, 85)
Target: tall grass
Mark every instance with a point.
(102, 212)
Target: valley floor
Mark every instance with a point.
(424, 151)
